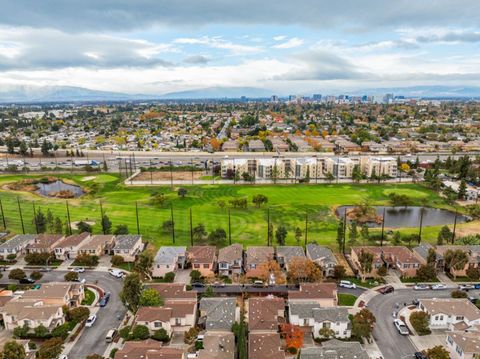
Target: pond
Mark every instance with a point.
(59, 189)
(401, 217)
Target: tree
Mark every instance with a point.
(301, 269)
(23, 148)
(106, 224)
(117, 260)
(199, 232)
(78, 314)
(208, 293)
(432, 257)
(195, 275)
(38, 258)
(459, 294)
(293, 335)
(357, 173)
(340, 234)
(50, 349)
(270, 268)
(326, 333)
(444, 236)
(473, 273)
(169, 277)
(420, 322)
(455, 260)
(426, 273)
(13, 350)
(40, 331)
(217, 237)
(121, 229)
(161, 335)
(46, 148)
(131, 292)
(437, 352)
(94, 356)
(83, 226)
(362, 324)
(140, 332)
(71, 277)
(364, 232)
(150, 298)
(57, 225)
(339, 272)
(40, 221)
(86, 260)
(462, 190)
(144, 263)
(36, 275)
(16, 274)
(382, 271)
(329, 177)
(353, 234)
(281, 235)
(259, 199)
(298, 235)
(182, 192)
(366, 260)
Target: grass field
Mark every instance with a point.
(288, 205)
(347, 300)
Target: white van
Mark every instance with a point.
(110, 335)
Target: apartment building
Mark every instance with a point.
(340, 167)
(379, 166)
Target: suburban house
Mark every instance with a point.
(265, 345)
(335, 349)
(31, 312)
(286, 253)
(324, 294)
(174, 292)
(68, 294)
(230, 261)
(473, 256)
(265, 313)
(254, 257)
(450, 313)
(148, 349)
(169, 259)
(98, 245)
(219, 314)
(128, 246)
(203, 259)
(463, 344)
(68, 247)
(323, 256)
(173, 316)
(311, 315)
(217, 345)
(422, 251)
(16, 245)
(396, 257)
(44, 243)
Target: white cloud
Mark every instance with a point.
(293, 42)
(279, 37)
(219, 43)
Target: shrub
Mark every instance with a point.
(124, 333)
(71, 277)
(113, 352)
(292, 350)
(11, 257)
(16, 274)
(140, 332)
(21, 332)
(117, 260)
(61, 331)
(52, 348)
(38, 258)
(419, 321)
(86, 260)
(382, 271)
(32, 345)
(195, 275)
(473, 273)
(12, 287)
(36, 275)
(190, 335)
(198, 345)
(426, 273)
(169, 277)
(459, 294)
(78, 314)
(161, 335)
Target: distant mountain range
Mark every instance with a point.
(38, 94)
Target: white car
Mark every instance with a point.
(401, 327)
(466, 287)
(91, 319)
(116, 273)
(421, 287)
(78, 270)
(439, 286)
(347, 284)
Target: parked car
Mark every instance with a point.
(258, 283)
(26, 281)
(103, 302)
(91, 319)
(421, 287)
(419, 355)
(401, 327)
(116, 273)
(439, 286)
(198, 285)
(466, 286)
(347, 284)
(78, 270)
(386, 289)
(219, 284)
(477, 286)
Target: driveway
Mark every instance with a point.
(182, 276)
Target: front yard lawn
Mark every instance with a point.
(346, 299)
(89, 297)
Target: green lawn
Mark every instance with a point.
(288, 205)
(346, 299)
(89, 297)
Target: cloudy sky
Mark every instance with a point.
(301, 46)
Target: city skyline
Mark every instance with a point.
(300, 48)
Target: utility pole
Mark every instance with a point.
(454, 226)
(136, 213)
(229, 228)
(383, 227)
(3, 215)
(344, 230)
(268, 226)
(171, 175)
(306, 227)
(191, 228)
(35, 217)
(68, 219)
(173, 224)
(191, 167)
(101, 221)
(421, 224)
(151, 173)
(21, 217)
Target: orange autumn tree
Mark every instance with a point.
(301, 269)
(263, 272)
(293, 335)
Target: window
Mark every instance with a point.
(196, 266)
(449, 339)
(157, 324)
(168, 266)
(206, 266)
(459, 317)
(459, 350)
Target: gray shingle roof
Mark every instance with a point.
(126, 241)
(168, 254)
(18, 240)
(303, 310)
(317, 252)
(423, 249)
(288, 252)
(335, 349)
(220, 313)
(330, 314)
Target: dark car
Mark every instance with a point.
(419, 355)
(477, 286)
(387, 289)
(26, 281)
(104, 300)
(198, 285)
